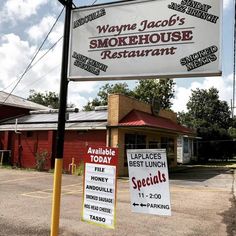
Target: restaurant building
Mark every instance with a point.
(125, 123)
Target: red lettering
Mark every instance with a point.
(150, 180)
(187, 35)
(93, 44)
(139, 183)
(134, 183)
(176, 36)
(163, 177)
(154, 38)
(143, 182)
(102, 29)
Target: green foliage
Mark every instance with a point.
(119, 88)
(80, 169)
(146, 90)
(90, 105)
(46, 99)
(211, 118)
(206, 110)
(104, 91)
(232, 132)
(216, 144)
(162, 90)
(41, 158)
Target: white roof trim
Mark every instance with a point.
(53, 126)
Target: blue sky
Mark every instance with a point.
(23, 26)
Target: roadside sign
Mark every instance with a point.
(99, 195)
(149, 181)
(167, 38)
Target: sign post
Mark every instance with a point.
(99, 199)
(56, 200)
(149, 181)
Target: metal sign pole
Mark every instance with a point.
(61, 123)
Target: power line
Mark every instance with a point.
(35, 55)
(46, 53)
(94, 2)
(35, 62)
(53, 69)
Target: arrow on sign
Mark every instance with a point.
(135, 204)
(143, 205)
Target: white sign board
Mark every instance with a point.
(99, 199)
(149, 181)
(145, 39)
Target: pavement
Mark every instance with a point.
(231, 166)
(202, 199)
(234, 185)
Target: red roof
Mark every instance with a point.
(142, 119)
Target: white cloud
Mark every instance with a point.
(37, 32)
(228, 3)
(14, 10)
(182, 94)
(14, 54)
(76, 89)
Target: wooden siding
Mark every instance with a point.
(25, 145)
(76, 143)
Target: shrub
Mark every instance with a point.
(41, 158)
(80, 169)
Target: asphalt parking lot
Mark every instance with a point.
(203, 203)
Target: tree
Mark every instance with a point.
(185, 119)
(46, 99)
(206, 110)
(90, 105)
(211, 118)
(162, 90)
(104, 91)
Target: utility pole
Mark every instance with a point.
(234, 51)
(61, 122)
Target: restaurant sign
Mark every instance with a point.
(146, 39)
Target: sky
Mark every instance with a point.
(24, 25)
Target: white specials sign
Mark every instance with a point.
(99, 199)
(149, 181)
(145, 39)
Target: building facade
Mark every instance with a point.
(125, 124)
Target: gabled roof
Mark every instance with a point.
(142, 119)
(16, 101)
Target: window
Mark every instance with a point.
(186, 149)
(168, 144)
(154, 145)
(134, 141)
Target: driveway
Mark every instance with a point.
(202, 199)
